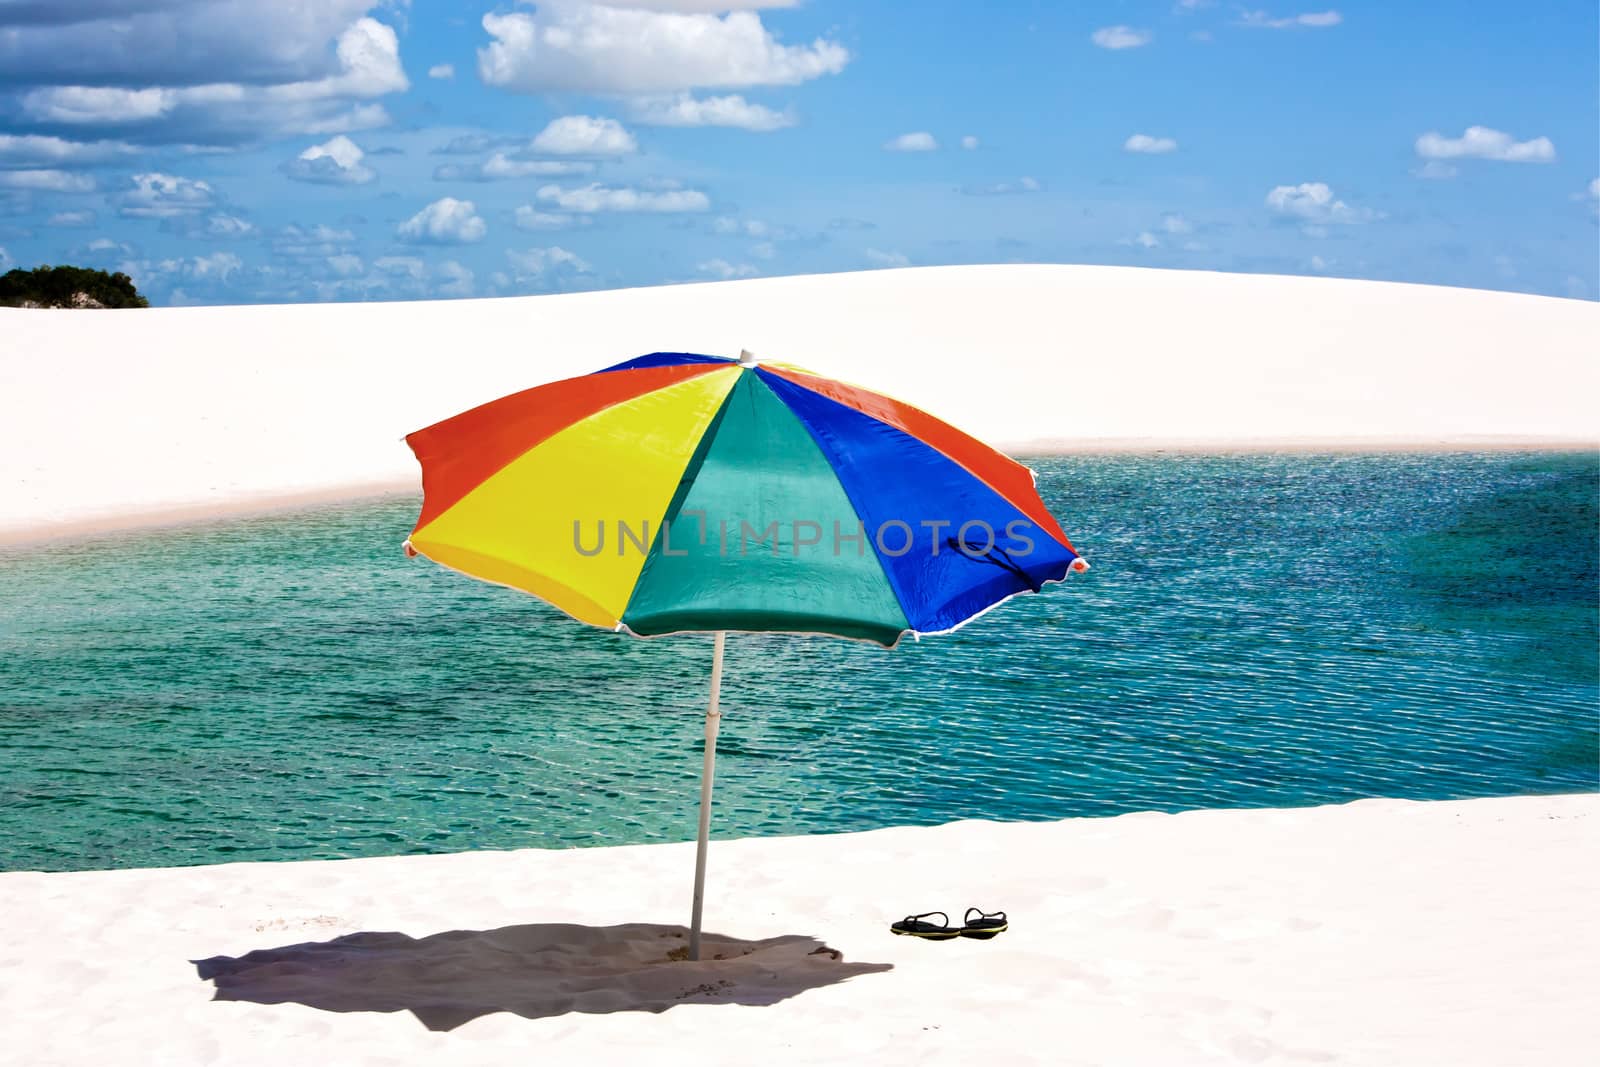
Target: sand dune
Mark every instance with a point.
(172, 414)
(1380, 932)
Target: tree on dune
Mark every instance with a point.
(68, 287)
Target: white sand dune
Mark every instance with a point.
(1380, 932)
(110, 417)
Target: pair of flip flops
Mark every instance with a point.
(977, 923)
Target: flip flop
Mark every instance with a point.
(985, 926)
(913, 926)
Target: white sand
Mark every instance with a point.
(1381, 932)
(107, 417)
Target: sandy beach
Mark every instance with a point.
(197, 412)
(1379, 932)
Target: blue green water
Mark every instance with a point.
(1263, 630)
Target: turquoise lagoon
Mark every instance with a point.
(1257, 630)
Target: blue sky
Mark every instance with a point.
(231, 151)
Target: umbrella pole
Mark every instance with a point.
(713, 721)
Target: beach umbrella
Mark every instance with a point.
(686, 493)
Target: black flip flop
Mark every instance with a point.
(985, 926)
(913, 926)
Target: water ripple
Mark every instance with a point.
(1269, 630)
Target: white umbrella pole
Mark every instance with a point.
(713, 721)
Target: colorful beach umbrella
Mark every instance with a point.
(686, 493)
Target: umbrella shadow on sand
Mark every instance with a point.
(535, 971)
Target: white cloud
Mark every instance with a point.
(346, 265)
(921, 141)
(228, 228)
(1155, 146)
(54, 151)
(442, 71)
(73, 219)
(313, 242)
(1317, 20)
(887, 259)
(764, 250)
(537, 262)
(728, 225)
(454, 279)
(338, 162)
(503, 167)
(219, 266)
(570, 45)
(46, 181)
(184, 107)
(1021, 185)
(584, 135)
(969, 142)
(1314, 203)
(409, 267)
(163, 196)
(5, 259)
(591, 199)
(1146, 239)
(1480, 142)
(445, 221)
(721, 268)
(1435, 170)
(1594, 189)
(529, 217)
(684, 109)
(1119, 37)
(1174, 223)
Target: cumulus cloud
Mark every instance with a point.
(1314, 203)
(1317, 20)
(1155, 146)
(46, 181)
(162, 196)
(338, 162)
(528, 217)
(442, 71)
(880, 258)
(591, 199)
(969, 142)
(1480, 142)
(1120, 37)
(584, 135)
(684, 109)
(921, 141)
(568, 45)
(173, 85)
(445, 221)
(1021, 185)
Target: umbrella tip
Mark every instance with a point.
(411, 553)
(1080, 565)
(748, 358)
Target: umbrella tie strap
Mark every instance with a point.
(994, 554)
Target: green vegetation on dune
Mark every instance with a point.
(68, 287)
